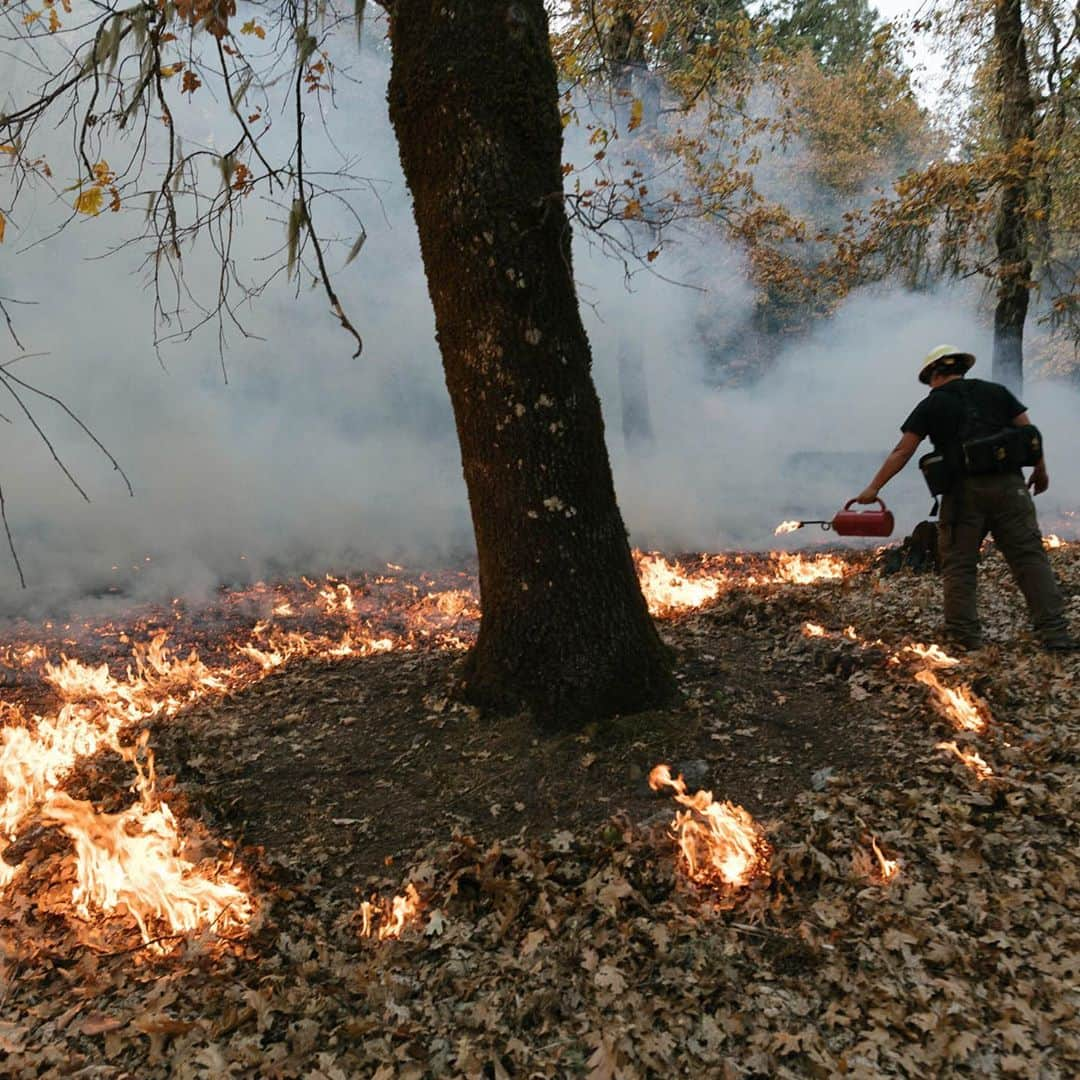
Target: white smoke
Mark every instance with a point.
(309, 460)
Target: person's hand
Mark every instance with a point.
(867, 496)
(1039, 480)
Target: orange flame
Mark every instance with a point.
(957, 704)
(721, 844)
(337, 597)
(888, 868)
(796, 569)
(813, 629)
(1052, 541)
(786, 527)
(971, 758)
(135, 860)
(392, 917)
(667, 586)
(932, 654)
(132, 861)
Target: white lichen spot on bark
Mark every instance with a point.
(524, 586)
(532, 335)
(531, 513)
(545, 402)
(519, 409)
(554, 503)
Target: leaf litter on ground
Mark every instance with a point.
(580, 951)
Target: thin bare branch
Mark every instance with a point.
(10, 540)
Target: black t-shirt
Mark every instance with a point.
(942, 412)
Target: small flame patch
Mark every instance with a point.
(958, 704)
(971, 758)
(720, 844)
(887, 868)
(386, 919)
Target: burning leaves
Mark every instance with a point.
(134, 861)
(796, 569)
(870, 864)
(887, 868)
(721, 844)
(669, 588)
(933, 655)
(385, 919)
(958, 704)
(672, 588)
(970, 758)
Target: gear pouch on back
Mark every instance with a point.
(937, 472)
(1003, 451)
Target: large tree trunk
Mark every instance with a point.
(474, 102)
(1017, 128)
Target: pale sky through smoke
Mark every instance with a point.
(926, 62)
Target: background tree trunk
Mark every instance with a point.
(637, 428)
(1017, 129)
(474, 102)
(624, 50)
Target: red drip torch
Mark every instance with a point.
(848, 522)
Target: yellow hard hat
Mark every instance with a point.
(960, 361)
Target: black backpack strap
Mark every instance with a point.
(973, 419)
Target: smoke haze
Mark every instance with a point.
(308, 460)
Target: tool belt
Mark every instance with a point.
(1008, 450)
(1005, 451)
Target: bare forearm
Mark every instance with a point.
(900, 456)
(889, 468)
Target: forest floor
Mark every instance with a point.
(557, 935)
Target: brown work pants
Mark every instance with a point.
(1002, 506)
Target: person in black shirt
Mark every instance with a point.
(997, 503)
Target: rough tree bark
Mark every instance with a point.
(474, 103)
(1017, 129)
